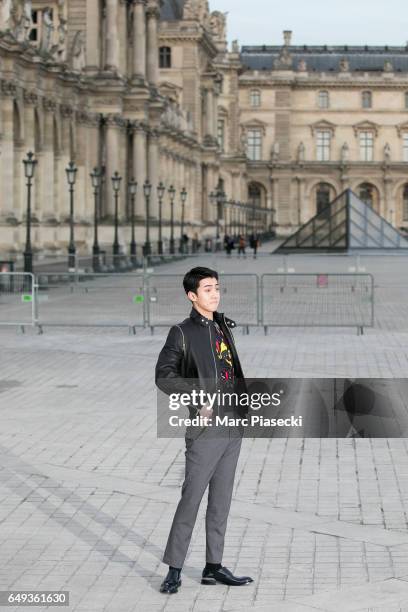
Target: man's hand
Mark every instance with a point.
(206, 412)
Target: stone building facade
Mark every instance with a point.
(150, 88)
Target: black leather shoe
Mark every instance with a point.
(171, 582)
(223, 575)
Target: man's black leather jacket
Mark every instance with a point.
(187, 359)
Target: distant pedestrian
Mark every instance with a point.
(254, 243)
(241, 246)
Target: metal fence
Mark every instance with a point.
(321, 300)
(18, 299)
(92, 300)
(153, 300)
(167, 300)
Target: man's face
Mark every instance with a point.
(208, 294)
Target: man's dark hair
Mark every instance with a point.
(192, 279)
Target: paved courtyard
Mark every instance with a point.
(88, 492)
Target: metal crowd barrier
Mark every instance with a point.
(91, 300)
(157, 300)
(18, 300)
(317, 300)
(168, 303)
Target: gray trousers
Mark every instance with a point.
(209, 461)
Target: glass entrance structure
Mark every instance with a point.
(346, 224)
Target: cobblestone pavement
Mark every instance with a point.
(88, 492)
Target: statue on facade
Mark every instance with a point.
(388, 67)
(243, 142)
(345, 153)
(196, 9)
(275, 151)
(387, 153)
(218, 25)
(344, 65)
(47, 30)
(5, 14)
(77, 56)
(284, 61)
(235, 46)
(301, 153)
(302, 65)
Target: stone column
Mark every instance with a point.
(385, 206)
(275, 198)
(114, 123)
(153, 169)
(48, 163)
(112, 36)
(210, 112)
(139, 39)
(93, 46)
(153, 15)
(139, 166)
(300, 208)
(8, 91)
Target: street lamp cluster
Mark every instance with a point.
(237, 221)
(96, 179)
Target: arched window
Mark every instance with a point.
(405, 203)
(323, 99)
(165, 57)
(255, 97)
(323, 196)
(254, 201)
(367, 194)
(367, 99)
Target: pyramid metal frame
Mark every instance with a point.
(323, 230)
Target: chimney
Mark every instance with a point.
(287, 37)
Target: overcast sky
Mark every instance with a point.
(314, 22)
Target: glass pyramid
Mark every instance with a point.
(347, 223)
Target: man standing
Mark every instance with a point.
(202, 348)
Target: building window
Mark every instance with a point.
(254, 147)
(323, 145)
(367, 194)
(221, 134)
(367, 99)
(406, 99)
(323, 99)
(405, 203)
(255, 97)
(165, 57)
(405, 147)
(323, 193)
(366, 146)
(33, 35)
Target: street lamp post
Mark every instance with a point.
(183, 196)
(220, 199)
(147, 189)
(160, 193)
(71, 177)
(116, 180)
(96, 181)
(172, 193)
(29, 168)
(132, 193)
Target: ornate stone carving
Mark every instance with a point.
(196, 9)
(218, 25)
(345, 153)
(388, 67)
(76, 57)
(9, 89)
(30, 97)
(49, 105)
(301, 152)
(66, 111)
(275, 149)
(235, 46)
(344, 65)
(302, 65)
(47, 30)
(387, 153)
